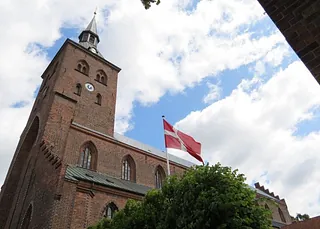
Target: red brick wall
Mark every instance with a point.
(313, 223)
(88, 209)
(299, 21)
(110, 155)
(87, 112)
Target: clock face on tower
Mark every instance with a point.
(93, 50)
(89, 87)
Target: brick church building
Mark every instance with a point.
(70, 168)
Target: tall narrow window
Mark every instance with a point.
(78, 89)
(85, 158)
(128, 169)
(98, 77)
(102, 80)
(98, 100)
(110, 210)
(159, 177)
(266, 207)
(283, 219)
(91, 39)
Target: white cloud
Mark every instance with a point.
(253, 131)
(214, 93)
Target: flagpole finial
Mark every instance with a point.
(163, 116)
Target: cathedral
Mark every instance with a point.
(70, 169)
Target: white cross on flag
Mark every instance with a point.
(177, 140)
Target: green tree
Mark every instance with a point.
(204, 197)
(147, 3)
(302, 217)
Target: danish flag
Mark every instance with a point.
(177, 140)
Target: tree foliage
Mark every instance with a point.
(147, 3)
(204, 197)
(302, 217)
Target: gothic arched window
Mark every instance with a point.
(83, 67)
(283, 219)
(102, 77)
(266, 207)
(102, 80)
(87, 154)
(98, 77)
(98, 99)
(159, 176)
(128, 169)
(110, 210)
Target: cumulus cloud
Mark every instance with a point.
(253, 130)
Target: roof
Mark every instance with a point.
(277, 224)
(75, 173)
(92, 25)
(264, 194)
(312, 223)
(151, 150)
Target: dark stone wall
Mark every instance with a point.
(299, 22)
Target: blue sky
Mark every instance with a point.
(263, 115)
(176, 106)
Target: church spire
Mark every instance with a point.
(89, 37)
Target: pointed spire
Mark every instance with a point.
(89, 37)
(93, 25)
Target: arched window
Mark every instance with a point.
(98, 77)
(110, 210)
(27, 218)
(102, 77)
(79, 67)
(128, 169)
(159, 176)
(98, 99)
(266, 207)
(87, 160)
(283, 219)
(83, 67)
(78, 89)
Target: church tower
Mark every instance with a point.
(70, 169)
(78, 92)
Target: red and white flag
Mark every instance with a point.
(177, 140)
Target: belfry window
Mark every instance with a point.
(83, 67)
(85, 158)
(91, 39)
(101, 77)
(84, 37)
(110, 210)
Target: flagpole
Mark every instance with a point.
(167, 155)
